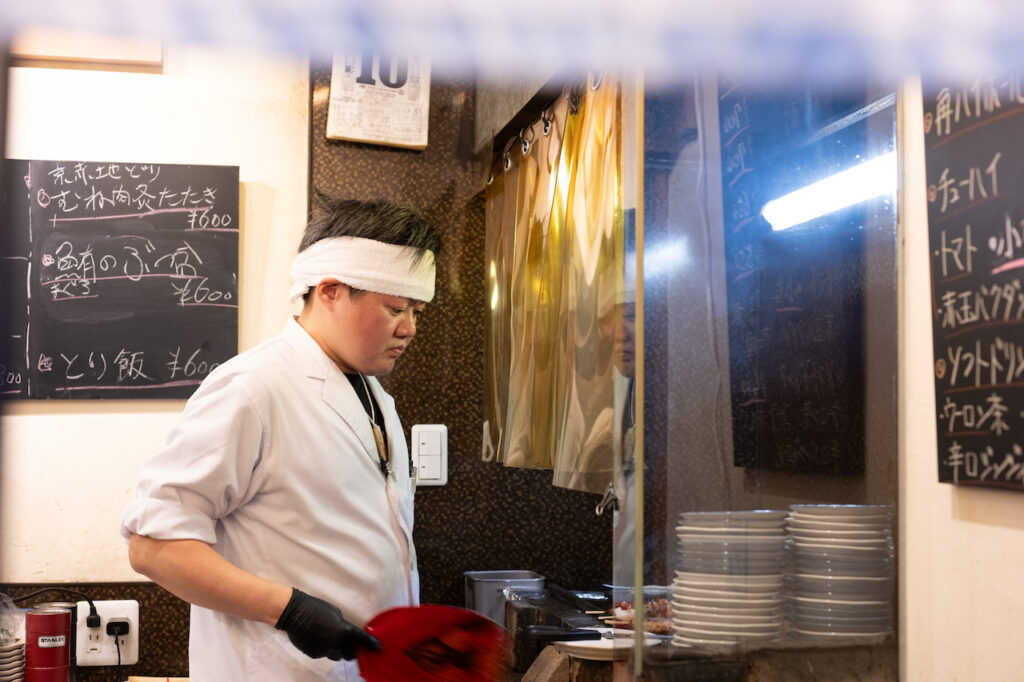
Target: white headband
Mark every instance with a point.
(365, 264)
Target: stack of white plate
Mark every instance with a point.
(728, 592)
(840, 579)
(12, 661)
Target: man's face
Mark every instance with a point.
(369, 332)
(625, 351)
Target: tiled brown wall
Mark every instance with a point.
(488, 517)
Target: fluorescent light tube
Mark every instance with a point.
(852, 186)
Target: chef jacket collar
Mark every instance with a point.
(337, 390)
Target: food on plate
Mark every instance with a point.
(657, 616)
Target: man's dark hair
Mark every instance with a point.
(383, 221)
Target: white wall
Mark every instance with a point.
(67, 467)
(961, 549)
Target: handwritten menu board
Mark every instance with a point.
(795, 297)
(975, 169)
(121, 278)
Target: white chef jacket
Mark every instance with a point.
(274, 464)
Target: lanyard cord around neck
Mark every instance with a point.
(378, 434)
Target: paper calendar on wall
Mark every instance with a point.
(379, 99)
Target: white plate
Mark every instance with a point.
(838, 547)
(854, 530)
(853, 566)
(603, 649)
(882, 588)
(878, 595)
(841, 583)
(769, 617)
(732, 566)
(731, 588)
(854, 588)
(844, 618)
(872, 624)
(841, 602)
(736, 516)
(741, 610)
(835, 523)
(834, 540)
(725, 602)
(800, 619)
(868, 556)
(825, 577)
(833, 534)
(712, 617)
(735, 586)
(737, 557)
(840, 635)
(11, 646)
(766, 627)
(725, 635)
(743, 588)
(9, 667)
(733, 562)
(15, 677)
(741, 530)
(840, 612)
(862, 522)
(693, 642)
(765, 612)
(843, 509)
(683, 594)
(9, 656)
(774, 578)
(733, 539)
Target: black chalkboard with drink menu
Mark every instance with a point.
(975, 171)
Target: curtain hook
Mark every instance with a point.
(545, 118)
(506, 153)
(574, 94)
(609, 500)
(523, 136)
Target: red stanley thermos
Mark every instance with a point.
(48, 645)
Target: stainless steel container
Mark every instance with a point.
(485, 590)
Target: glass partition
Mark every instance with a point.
(766, 325)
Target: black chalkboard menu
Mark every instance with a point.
(795, 297)
(976, 244)
(121, 278)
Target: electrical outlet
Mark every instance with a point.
(93, 646)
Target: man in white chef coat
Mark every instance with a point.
(281, 505)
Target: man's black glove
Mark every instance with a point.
(318, 629)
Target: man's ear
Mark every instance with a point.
(329, 290)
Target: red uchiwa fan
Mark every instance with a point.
(434, 643)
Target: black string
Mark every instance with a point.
(371, 406)
(92, 606)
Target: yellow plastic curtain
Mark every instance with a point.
(532, 414)
(592, 288)
(499, 215)
(555, 262)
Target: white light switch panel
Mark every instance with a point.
(430, 453)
